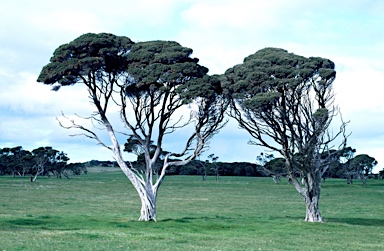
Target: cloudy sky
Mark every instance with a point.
(221, 33)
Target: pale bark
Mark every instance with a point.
(40, 170)
(148, 200)
(145, 188)
(311, 195)
(312, 210)
(148, 206)
(363, 179)
(145, 184)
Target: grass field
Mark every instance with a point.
(99, 211)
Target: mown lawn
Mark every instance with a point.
(99, 211)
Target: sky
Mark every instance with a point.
(220, 32)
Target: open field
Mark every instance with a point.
(99, 211)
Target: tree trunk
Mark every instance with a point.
(313, 211)
(311, 195)
(148, 207)
(349, 179)
(39, 171)
(364, 179)
(311, 198)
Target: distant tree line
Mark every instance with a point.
(46, 161)
(42, 161)
(345, 165)
(195, 167)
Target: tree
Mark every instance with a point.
(46, 159)
(286, 103)
(271, 166)
(346, 155)
(216, 167)
(203, 168)
(15, 160)
(362, 165)
(4, 160)
(148, 82)
(381, 174)
(59, 165)
(76, 168)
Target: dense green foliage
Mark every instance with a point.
(88, 54)
(271, 74)
(93, 212)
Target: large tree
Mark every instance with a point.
(286, 103)
(151, 83)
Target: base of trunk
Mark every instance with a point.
(147, 217)
(313, 214)
(148, 210)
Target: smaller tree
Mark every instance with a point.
(59, 165)
(346, 155)
(75, 168)
(216, 167)
(286, 103)
(47, 159)
(203, 168)
(362, 166)
(381, 174)
(15, 160)
(4, 160)
(271, 166)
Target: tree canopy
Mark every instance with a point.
(89, 54)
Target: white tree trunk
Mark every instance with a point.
(312, 185)
(312, 209)
(144, 186)
(148, 207)
(146, 190)
(311, 195)
(40, 170)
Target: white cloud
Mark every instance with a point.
(65, 21)
(360, 91)
(25, 95)
(239, 14)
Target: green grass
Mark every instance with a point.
(99, 211)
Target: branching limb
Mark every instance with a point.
(88, 133)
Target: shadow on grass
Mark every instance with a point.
(26, 222)
(357, 221)
(375, 184)
(189, 219)
(44, 222)
(294, 218)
